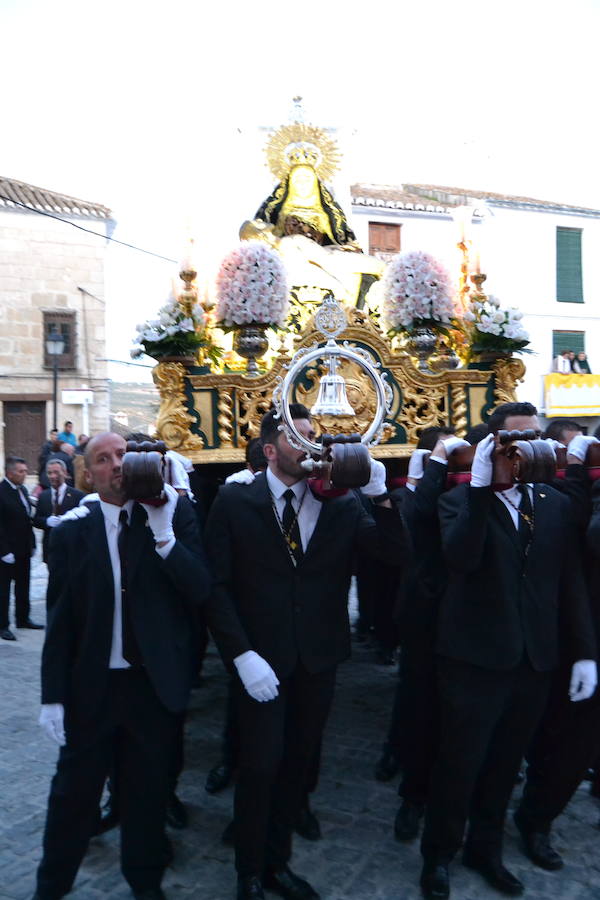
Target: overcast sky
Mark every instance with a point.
(152, 108)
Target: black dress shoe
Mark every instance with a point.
(228, 836)
(435, 882)
(249, 888)
(496, 875)
(177, 815)
(7, 635)
(307, 824)
(387, 765)
(218, 778)
(149, 894)
(35, 626)
(406, 824)
(538, 848)
(286, 884)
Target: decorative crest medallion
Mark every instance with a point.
(330, 318)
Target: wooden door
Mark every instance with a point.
(25, 430)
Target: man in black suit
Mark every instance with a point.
(17, 544)
(55, 500)
(282, 562)
(513, 567)
(125, 582)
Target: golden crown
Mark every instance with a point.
(300, 144)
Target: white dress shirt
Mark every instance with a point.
(514, 494)
(309, 510)
(112, 527)
(58, 494)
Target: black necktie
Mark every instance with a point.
(291, 527)
(525, 529)
(54, 501)
(131, 651)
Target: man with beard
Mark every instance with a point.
(283, 560)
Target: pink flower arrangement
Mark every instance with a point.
(417, 292)
(252, 287)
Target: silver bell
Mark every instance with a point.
(332, 399)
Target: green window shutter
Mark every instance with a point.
(567, 340)
(569, 281)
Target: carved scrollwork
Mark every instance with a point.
(251, 407)
(173, 422)
(423, 407)
(508, 373)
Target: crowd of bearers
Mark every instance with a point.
(493, 586)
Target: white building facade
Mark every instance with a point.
(539, 256)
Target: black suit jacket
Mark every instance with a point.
(262, 602)
(16, 530)
(165, 595)
(44, 509)
(501, 604)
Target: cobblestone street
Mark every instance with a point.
(357, 859)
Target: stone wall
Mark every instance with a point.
(43, 262)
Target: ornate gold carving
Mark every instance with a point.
(251, 407)
(423, 407)
(458, 406)
(225, 418)
(173, 422)
(508, 373)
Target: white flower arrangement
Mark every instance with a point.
(494, 328)
(172, 333)
(252, 287)
(417, 292)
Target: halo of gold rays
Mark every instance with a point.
(297, 143)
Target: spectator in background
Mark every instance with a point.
(562, 363)
(66, 452)
(581, 365)
(67, 436)
(59, 498)
(81, 444)
(17, 544)
(47, 448)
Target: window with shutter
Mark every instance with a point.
(567, 340)
(62, 322)
(384, 239)
(569, 279)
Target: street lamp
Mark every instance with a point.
(55, 346)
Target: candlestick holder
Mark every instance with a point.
(463, 282)
(477, 278)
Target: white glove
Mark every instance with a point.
(79, 512)
(556, 445)
(578, 446)
(52, 720)
(257, 676)
(53, 521)
(376, 484)
(452, 442)
(160, 518)
(417, 463)
(9, 559)
(244, 476)
(584, 678)
(482, 467)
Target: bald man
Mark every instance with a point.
(125, 581)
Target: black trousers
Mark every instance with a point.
(142, 731)
(421, 712)
(565, 745)
(487, 720)
(278, 742)
(19, 573)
